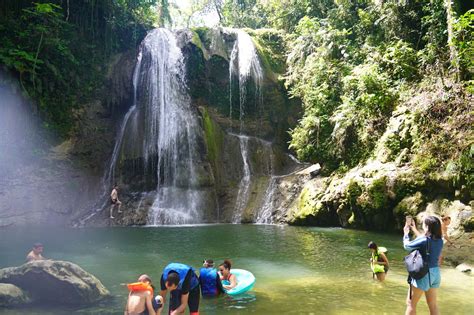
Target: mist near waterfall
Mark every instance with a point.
(38, 184)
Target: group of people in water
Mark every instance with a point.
(186, 287)
(183, 284)
(430, 244)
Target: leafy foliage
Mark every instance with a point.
(58, 48)
(464, 41)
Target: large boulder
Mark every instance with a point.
(11, 295)
(56, 282)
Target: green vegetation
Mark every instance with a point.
(214, 140)
(384, 84)
(370, 70)
(59, 49)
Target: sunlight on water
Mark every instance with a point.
(298, 270)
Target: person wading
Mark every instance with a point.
(140, 299)
(35, 253)
(378, 261)
(183, 284)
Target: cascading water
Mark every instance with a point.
(109, 177)
(244, 185)
(244, 63)
(264, 215)
(162, 116)
(170, 128)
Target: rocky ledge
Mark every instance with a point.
(49, 282)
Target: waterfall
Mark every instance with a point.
(170, 129)
(162, 116)
(244, 185)
(244, 63)
(108, 179)
(264, 214)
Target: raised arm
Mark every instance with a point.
(414, 229)
(415, 244)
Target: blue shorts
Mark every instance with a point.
(431, 280)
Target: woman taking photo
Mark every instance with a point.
(432, 239)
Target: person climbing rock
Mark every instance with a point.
(378, 261)
(445, 222)
(183, 284)
(209, 280)
(140, 299)
(35, 253)
(114, 201)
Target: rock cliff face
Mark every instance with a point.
(242, 167)
(401, 178)
(262, 120)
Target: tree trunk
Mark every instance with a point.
(453, 53)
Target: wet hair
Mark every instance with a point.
(434, 227)
(173, 278)
(209, 262)
(226, 264)
(372, 245)
(37, 245)
(144, 277)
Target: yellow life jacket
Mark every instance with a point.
(376, 268)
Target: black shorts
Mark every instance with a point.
(193, 300)
(113, 201)
(155, 305)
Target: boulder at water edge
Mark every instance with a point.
(56, 282)
(11, 295)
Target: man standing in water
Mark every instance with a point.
(35, 253)
(183, 285)
(114, 201)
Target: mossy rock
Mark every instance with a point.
(410, 205)
(468, 225)
(214, 138)
(11, 295)
(270, 44)
(309, 210)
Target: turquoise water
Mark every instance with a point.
(299, 270)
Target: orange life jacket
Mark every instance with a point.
(140, 286)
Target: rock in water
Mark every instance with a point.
(11, 295)
(56, 282)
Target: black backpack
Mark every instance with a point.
(416, 264)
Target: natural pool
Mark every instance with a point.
(299, 270)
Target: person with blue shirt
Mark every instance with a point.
(432, 239)
(183, 284)
(209, 280)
